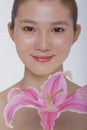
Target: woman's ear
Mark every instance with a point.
(11, 30)
(77, 32)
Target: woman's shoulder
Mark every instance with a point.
(3, 97)
(4, 94)
(4, 100)
(71, 86)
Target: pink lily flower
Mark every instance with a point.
(50, 103)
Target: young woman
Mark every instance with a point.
(43, 32)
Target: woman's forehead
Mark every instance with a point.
(44, 12)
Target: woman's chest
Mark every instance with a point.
(28, 119)
(71, 121)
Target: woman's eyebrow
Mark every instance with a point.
(35, 22)
(59, 22)
(28, 21)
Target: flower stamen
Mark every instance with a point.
(54, 94)
(49, 100)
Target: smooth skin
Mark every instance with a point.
(42, 29)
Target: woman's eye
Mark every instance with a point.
(58, 30)
(28, 28)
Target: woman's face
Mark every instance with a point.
(43, 34)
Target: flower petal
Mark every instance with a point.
(13, 92)
(53, 86)
(48, 119)
(76, 102)
(24, 98)
(68, 74)
(31, 92)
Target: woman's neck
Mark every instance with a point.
(33, 80)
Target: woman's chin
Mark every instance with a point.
(44, 72)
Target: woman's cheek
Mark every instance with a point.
(60, 43)
(62, 48)
(25, 43)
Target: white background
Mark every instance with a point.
(11, 68)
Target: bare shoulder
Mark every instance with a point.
(3, 98)
(3, 102)
(72, 120)
(71, 86)
(3, 94)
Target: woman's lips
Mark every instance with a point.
(43, 58)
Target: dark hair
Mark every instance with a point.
(70, 4)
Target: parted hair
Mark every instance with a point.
(70, 4)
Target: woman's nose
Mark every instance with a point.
(43, 43)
